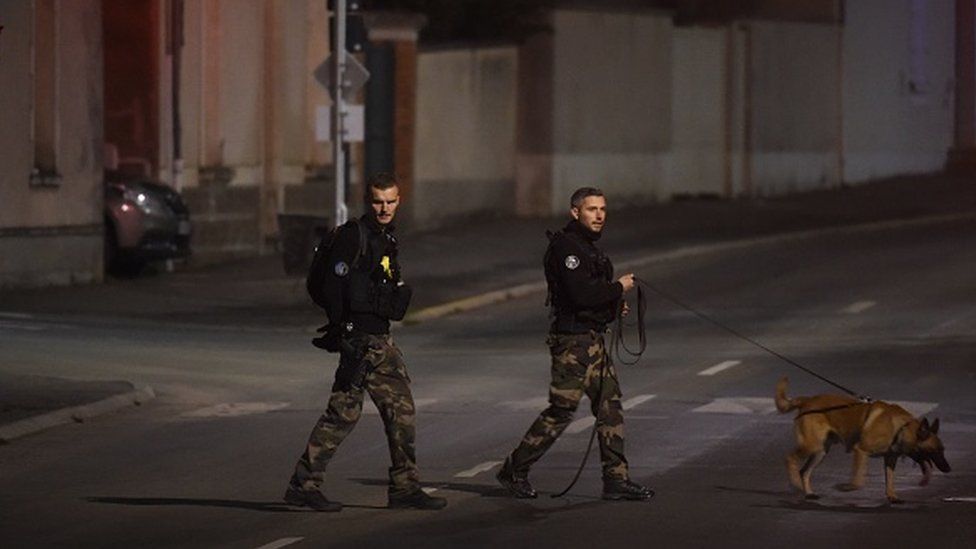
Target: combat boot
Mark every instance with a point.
(516, 484)
(417, 499)
(618, 489)
(313, 499)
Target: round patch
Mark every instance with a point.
(341, 269)
(572, 262)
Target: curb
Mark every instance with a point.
(523, 290)
(74, 414)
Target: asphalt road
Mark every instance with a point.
(891, 314)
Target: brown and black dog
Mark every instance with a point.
(869, 429)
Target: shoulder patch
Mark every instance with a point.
(341, 269)
(572, 262)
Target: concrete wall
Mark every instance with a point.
(898, 79)
(698, 114)
(794, 122)
(465, 134)
(52, 234)
(611, 104)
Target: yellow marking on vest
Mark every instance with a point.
(385, 262)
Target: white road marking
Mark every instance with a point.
(960, 499)
(236, 409)
(21, 326)
(637, 400)
(917, 409)
(584, 423)
(429, 490)
(21, 316)
(738, 405)
(369, 407)
(280, 543)
(721, 366)
(858, 307)
(535, 403)
(480, 468)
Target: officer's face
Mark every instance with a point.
(592, 213)
(384, 203)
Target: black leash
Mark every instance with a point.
(672, 299)
(596, 422)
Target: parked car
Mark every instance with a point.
(144, 221)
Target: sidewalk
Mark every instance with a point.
(480, 256)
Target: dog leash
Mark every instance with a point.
(667, 297)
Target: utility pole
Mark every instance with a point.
(338, 115)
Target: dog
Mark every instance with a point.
(869, 429)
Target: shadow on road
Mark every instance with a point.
(264, 506)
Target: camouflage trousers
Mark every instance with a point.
(579, 366)
(367, 364)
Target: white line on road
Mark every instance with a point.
(281, 543)
(636, 401)
(534, 403)
(584, 423)
(429, 490)
(369, 407)
(858, 307)
(738, 405)
(21, 316)
(236, 409)
(480, 468)
(719, 367)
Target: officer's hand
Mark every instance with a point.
(627, 281)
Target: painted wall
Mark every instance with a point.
(898, 87)
(52, 235)
(465, 133)
(611, 104)
(794, 127)
(698, 115)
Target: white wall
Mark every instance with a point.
(612, 103)
(889, 128)
(698, 121)
(465, 133)
(52, 234)
(794, 99)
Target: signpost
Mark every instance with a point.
(342, 75)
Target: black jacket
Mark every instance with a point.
(370, 292)
(582, 292)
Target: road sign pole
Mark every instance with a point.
(338, 128)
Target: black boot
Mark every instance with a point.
(417, 499)
(313, 499)
(618, 489)
(516, 484)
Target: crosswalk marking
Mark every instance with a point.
(369, 407)
(858, 307)
(278, 544)
(584, 423)
(917, 409)
(763, 406)
(236, 409)
(721, 366)
(738, 405)
(480, 468)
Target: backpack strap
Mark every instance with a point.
(361, 250)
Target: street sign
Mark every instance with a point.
(354, 79)
(353, 124)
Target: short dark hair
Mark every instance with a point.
(380, 181)
(582, 194)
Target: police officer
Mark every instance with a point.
(584, 300)
(364, 291)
